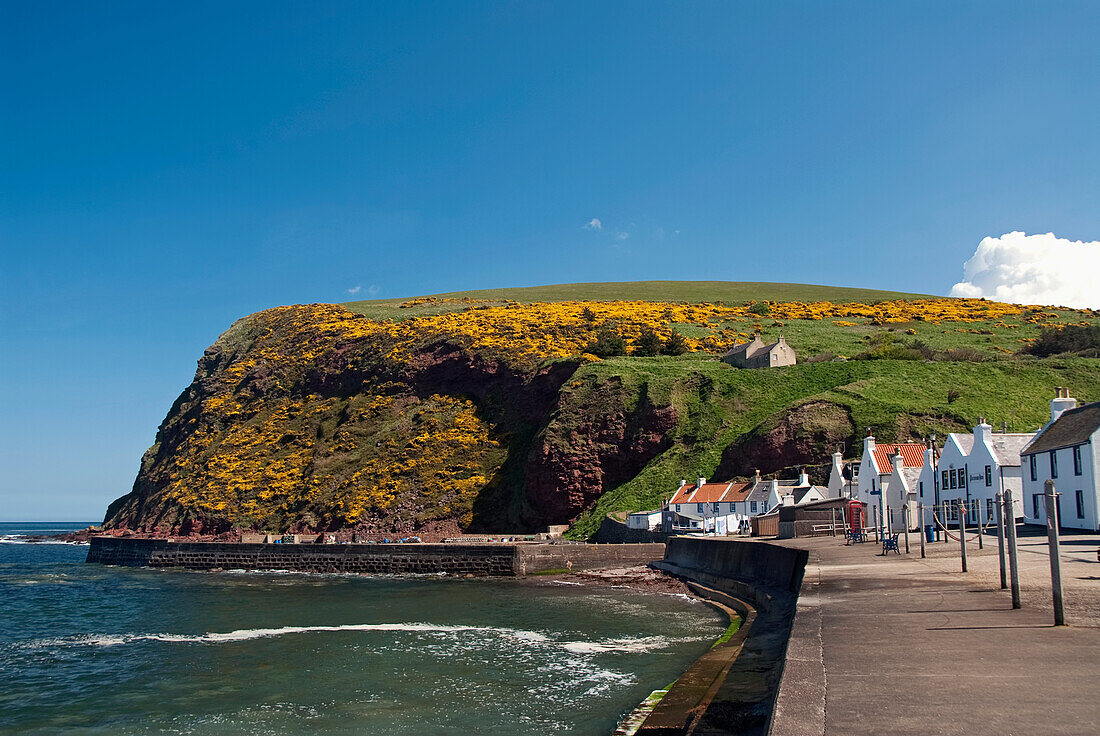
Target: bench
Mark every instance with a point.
(890, 543)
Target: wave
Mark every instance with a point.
(532, 638)
(25, 539)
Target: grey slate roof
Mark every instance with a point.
(966, 441)
(1006, 447)
(1074, 427)
(800, 493)
(760, 491)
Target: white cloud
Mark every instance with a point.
(594, 224)
(622, 236)
(354, 290)
(1033, 269)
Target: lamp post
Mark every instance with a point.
(936, 482)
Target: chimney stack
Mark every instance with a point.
(1061, 403)
(983, 432)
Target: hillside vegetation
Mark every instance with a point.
(488, 411)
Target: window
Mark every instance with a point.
(716, 507)
(753, 505)
(677, 507)
(1034, 472)
(699, 507)
(989, 508)
(944, 483)
(988, 476)
(1035, 506)
(1080, 504)
(1077, 460)
(920, 487)
(1053, 463)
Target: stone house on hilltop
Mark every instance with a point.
(755, 354)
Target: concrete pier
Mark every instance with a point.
(491, 560)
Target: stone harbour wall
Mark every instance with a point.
(483, 560)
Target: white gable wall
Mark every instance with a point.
(1068, 483)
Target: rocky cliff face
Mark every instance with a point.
(312, 418)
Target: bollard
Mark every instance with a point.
(962, 533)
(981, 529)
(999, 512)
(905, 521)
(1013, 563)
(945, 538)
(920, 532)
(1055, 552)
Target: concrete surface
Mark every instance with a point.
(902, 645)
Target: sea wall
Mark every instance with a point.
(490, 560)
(613, 531)
(768, 569)
(765, 578)
(533, 558)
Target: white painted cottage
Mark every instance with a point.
(1065, 451)
(717, 507)
(842, 481)
(877, 467)
(647, 520)
(975, 467)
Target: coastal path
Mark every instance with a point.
(903, 645)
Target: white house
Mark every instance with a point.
(765, 495)
(975, 467)
(900, 492)
(1065, 451)
(726, 508)
(719, 507)
(648, 520)
(875, 470)
(842, 483)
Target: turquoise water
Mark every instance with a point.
(105, 650)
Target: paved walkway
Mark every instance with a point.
(901, 645)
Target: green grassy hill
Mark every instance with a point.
(726, 292)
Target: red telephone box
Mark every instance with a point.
(855, 515)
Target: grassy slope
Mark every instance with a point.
(732, 292)
(717, 404)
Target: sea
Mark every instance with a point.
(92, 649)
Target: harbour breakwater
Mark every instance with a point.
(489, 560)
(732, 689)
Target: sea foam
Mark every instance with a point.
(532, 638)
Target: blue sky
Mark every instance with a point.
(168, 168)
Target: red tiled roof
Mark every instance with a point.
(912, 456)
(711, 493)
(738, 492)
